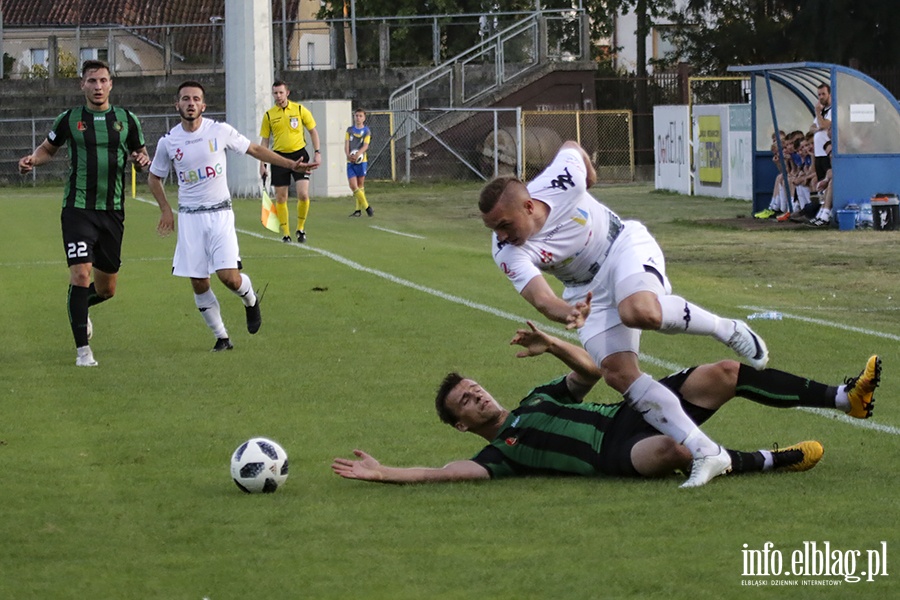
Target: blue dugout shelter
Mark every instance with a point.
(865, 131)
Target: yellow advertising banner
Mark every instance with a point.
(709, 149)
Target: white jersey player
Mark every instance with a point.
(615, 282)
(194, 150)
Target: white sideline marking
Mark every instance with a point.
(829, 414)
(412, 235)
(62, 261)
(824, 323)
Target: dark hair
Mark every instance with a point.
(279, 83)
(195, 84)
(360, 110)
(824, 85)
(93, 65)
(491, 192)
(440, 402)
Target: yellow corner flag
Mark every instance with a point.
(269, 216)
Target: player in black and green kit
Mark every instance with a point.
(101, 140)
(552, 432)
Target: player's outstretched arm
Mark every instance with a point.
(367, 468)
(541, 296)
(585, 374)
(591, 178)
(264, 154)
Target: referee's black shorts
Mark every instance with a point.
(93, 236)
(282, 177)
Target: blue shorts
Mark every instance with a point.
(357, 169)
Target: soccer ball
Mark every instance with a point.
(259, 465)
(356, 156)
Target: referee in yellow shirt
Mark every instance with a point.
(285, 123)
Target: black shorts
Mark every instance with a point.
(629, 427)
(93, 236)
(822, 164)
(282, 177)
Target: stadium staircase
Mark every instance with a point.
(482, 76)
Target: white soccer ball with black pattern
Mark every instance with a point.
(356, 156)
(259, 465)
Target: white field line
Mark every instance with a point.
(824, 323)
(412, 235)
(62, 262)
(558, 330)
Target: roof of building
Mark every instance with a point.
(132, 13)
(37, 13)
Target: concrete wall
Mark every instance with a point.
(368, 88)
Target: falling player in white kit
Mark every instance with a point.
(207, 241)
(615, 286)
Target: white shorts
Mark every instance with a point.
(207, 242)
(633, 252)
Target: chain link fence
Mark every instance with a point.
(478, 144)
(606, 135)
(448, 144)
(19, 137)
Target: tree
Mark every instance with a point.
(714, 34)
(841, 31)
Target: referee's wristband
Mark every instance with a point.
(317, 152)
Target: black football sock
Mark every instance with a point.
(783, 390)
(745, 462)
(78, 313)
(94, 297)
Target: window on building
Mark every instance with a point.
(40, 56)
(93, 54)
(662, 44)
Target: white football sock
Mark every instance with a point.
(248, 297)
(660, 408)
(842, 400)
(680, 316)
(209, 310)
(768, 460)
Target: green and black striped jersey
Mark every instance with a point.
(99, 147)
(550, 433)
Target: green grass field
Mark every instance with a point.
(116, 481)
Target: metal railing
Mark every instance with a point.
(497, 60)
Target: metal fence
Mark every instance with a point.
(363, 42)
(476, 144)
(606, 135)
(19, 137)
(450, 144)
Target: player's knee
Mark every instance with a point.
(727, 372)
(676, 455)
(232, 280)
(671, 455)
(641, 315)
(659, 456)
(617, 378)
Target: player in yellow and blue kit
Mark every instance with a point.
(356, 144)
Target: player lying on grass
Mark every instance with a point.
(552, 432)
